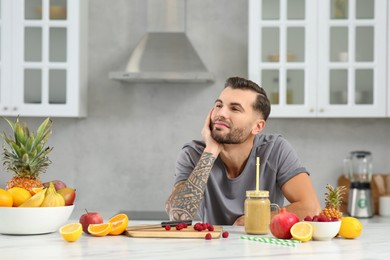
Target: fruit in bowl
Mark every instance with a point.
(325, 230)
(327, 224)
(68, 194)
(57, 184)
(35, 209)
(25, 155)
(33, 220)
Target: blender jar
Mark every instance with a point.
(358, 167)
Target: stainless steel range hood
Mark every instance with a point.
(165, 53)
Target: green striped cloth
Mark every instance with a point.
(273, 241)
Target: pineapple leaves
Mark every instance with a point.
(17, 149)
(43, 133)
(11, 124)
(26, 155)
(29, 143)
(20, 138)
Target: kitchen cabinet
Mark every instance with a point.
(323, 58)
(43, 69)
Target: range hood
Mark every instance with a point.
(165, 54)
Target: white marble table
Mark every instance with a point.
(374, 243)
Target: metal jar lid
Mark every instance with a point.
(257, 193)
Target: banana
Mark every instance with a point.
(36, 200)
(52, 198)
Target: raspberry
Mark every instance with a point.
(167, 227)
(323, 218)
(208, 236)
(225, 234)
(204, 226)
(184, 224)
(307, 218)
(197, 226)
(179, 227)
(211, 228)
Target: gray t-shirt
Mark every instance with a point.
(224, 198)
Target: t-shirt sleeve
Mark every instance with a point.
(288, 163)
(185, 163)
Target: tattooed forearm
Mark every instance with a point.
(187, 195)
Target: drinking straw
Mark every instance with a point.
(273, 241)
(257, 172)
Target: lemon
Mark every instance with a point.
(350, 227)
(19, 195)
(71, 232)
(6, 199)
(302, 231)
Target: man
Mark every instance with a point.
(213, 175)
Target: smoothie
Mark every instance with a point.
(257, 212)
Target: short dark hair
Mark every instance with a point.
(262, 103)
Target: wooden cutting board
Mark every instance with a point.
(160, 232)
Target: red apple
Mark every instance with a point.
(69, 195)
(90, 218)
(57, 184)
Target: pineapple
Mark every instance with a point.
(26, 156)
(333, 200)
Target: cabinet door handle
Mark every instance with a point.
(311, 110)
(322, 110)
(5, 108)
(15, 109)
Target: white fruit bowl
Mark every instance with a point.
(31, 221)
(325, 230)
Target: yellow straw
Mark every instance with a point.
(257, 173)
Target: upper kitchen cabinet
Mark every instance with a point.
(323, 58)
(43, 62)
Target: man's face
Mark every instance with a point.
(233, 117)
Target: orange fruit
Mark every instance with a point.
(6, 199)
(71, 232)
(35, 190)
(100, 230)
(302, 231)
(19, 195)
(119, 224)
(350, 227)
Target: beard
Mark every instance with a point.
(235, 136)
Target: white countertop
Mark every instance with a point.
(372, 244)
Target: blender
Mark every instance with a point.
(358, 169)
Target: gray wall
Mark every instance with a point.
(121, 157)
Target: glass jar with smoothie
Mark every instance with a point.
(257, 212)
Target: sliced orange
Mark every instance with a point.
(100, 230)
(119, 224)
(35, 190)
(302, 231)
(71, 232)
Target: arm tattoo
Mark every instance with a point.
(187, 195)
